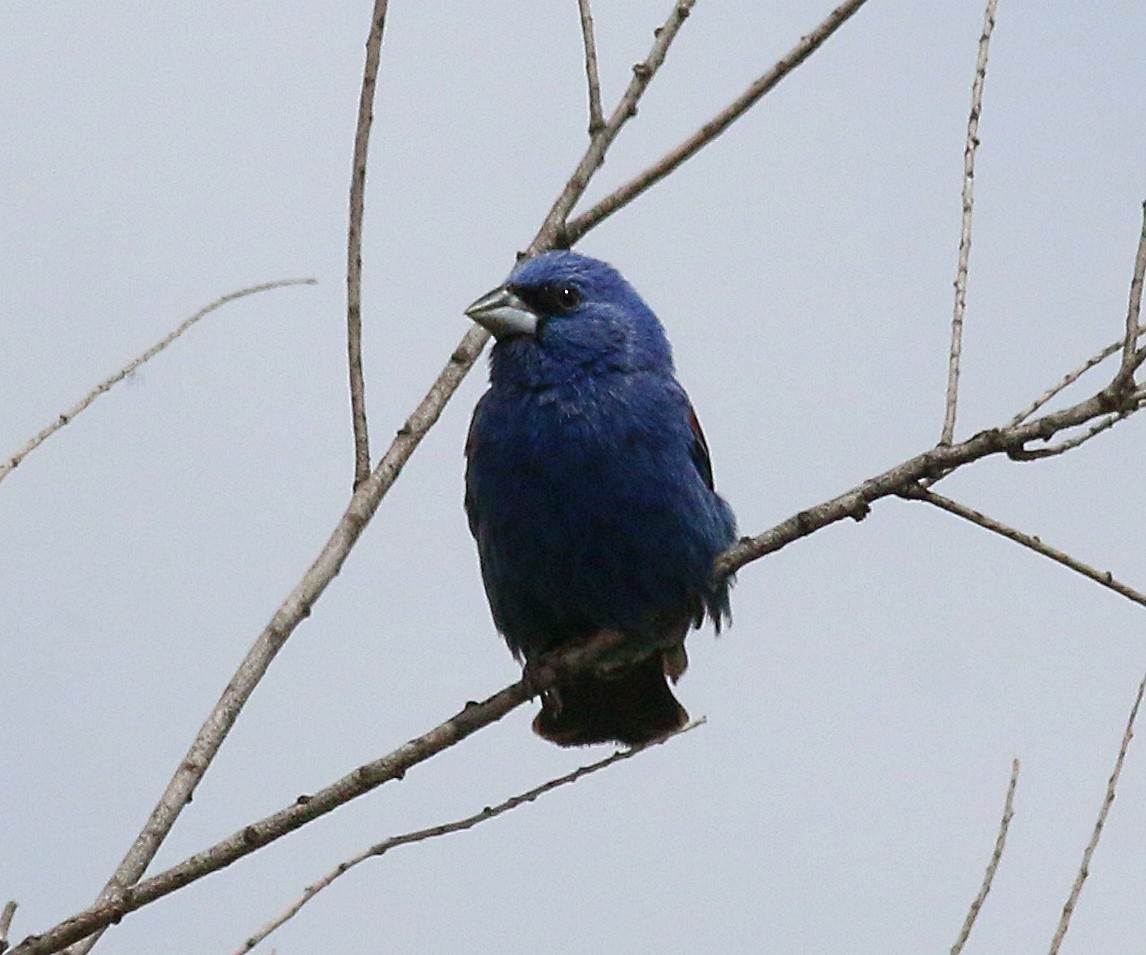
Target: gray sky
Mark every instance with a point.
(864, 708)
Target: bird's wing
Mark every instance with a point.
(700, 456)
(471, 446)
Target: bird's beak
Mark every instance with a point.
(503, 313)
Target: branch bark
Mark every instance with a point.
(1100, 822)
(108, 383)
(6, 924)
(1069, 379)
(420, 835)
(596, 116)
(468, 720)
(1133, 309)
(354, 244)
(969, 150)
(993, 865)
(1105, 578)
(940, 460)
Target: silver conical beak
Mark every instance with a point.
(503, 313)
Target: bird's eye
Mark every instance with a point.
(568, 298)
(549, 299)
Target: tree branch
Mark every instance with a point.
(939, 460)
(596, 116)
(459, 825)
(354, 244)
(854, 503)
(1053, 450)
(715, 126)
(606, 646)
(1069, 379)
(6, 924)
(554, 231)
(965, 229)
(993, 865)
(1105, 578)
(1133, 310)
(1107, 802)
(14, 461)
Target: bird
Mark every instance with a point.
(590, 495)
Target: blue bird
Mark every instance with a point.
(589, 492)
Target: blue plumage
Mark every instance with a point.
(589, 492)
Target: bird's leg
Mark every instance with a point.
(675, 662)
(540, 678)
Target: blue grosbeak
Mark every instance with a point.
(589, 492)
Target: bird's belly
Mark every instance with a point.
(573, 543)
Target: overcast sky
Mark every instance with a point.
(879, 678)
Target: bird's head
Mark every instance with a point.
(561, 314)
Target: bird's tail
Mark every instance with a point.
(632, 705)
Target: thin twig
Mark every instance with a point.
(459, 825)
(1133, 310)
(596, 116)
(1052, 450)
(715, 126)
(1070, 378)
(354, 244)
(14, 461)
(6, 923)
(1105, 578)
(993, 865)
(965, 229)
(1107, 802)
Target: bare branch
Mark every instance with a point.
(993, 865)
(554, 230)
(1133, 311)
(596, 116)
(1105, 578)
(965, 229)
(1069, 379)
(1107, 802)
(14, 461)
(607, 645)
(6, 923)
(459, 825)
(937, 461)
(1052, 450)
(715, 126)
(354, 244)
